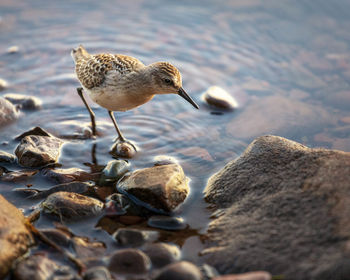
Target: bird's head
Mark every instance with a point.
(167, 79)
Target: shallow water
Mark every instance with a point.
(286, 62)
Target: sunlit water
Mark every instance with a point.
(286, 62)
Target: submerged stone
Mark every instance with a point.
(114, 170)
(36, 151)
(167, 223)
(97, 273)
(21, 175)
(71, 206)
(220, 98)
(158, 188)
(134, 237)
(25, 102)
(68, 175)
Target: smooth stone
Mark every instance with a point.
(27, 192)
(64, 273)
(57, 236)
(134, 237)
(61, 176)
(73, 187)
(220, 98)
(26, 102)
(71, 206)
(256, 275)
(167, 223)
(84, 248)
(8, 112)
(118, 204)
(16, 176)
(129, 261)
(12, 49)
(3, 84)
(123, 149)
(35, 267)
(34, 131)
(15, 238)
(164, 160)
(158, 188)
(114, 170)
(180, 271)
(97, 273)
(279, 201)
(36, 151)
(7, 157)
(162, 254)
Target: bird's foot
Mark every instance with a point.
(123, 148)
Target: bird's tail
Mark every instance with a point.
(79, 53)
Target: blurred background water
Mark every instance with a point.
(286, 62)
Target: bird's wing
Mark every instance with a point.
(92, 70)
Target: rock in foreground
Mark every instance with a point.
(283, 209)
(14, 236)
(159, 188)
(35, 151)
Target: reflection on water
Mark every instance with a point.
(286, 62)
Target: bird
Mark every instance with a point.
(119, 82)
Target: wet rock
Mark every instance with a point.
(164, 160)
(219, 98)
(59, 237)
(3, 84)
(161, 254)
(97, 273)
(36, 151)
(27, 192)
(180, 271)
(73, 187)
(114, 170)
(280, 194)
(7, 157)
(167, 223)
(61, 176)
(123, 149)
(158, 188)
(64, 272)
(134, 237)
(256, 275)
(8, 112)
(15, 237)
(119, 204)
(278, 115)
(84, 248)
(71, 206)
(16, 176)
(12, 49)
(34, 131)
(129, 261)
(25, 102)
(35, 267)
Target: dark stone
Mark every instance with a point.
(24, 101)
(36, 151)
(129, 261)
(180, 271)
(15, 238)
(134, 237)
(97, 273)
(8, 112)
(162, 254)
(282, 208)
(61, 176)
(167, 223)
(57, 236)
(84, 248)
(35, 267)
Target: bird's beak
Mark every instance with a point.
(185, 96)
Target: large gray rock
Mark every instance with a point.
(159, 188)
(35, 151)
(282, 208)
(8, 112)
(15, 238)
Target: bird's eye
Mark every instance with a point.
(168, 81)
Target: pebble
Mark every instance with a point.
(12, 49)
(256, 275)
(97, 273)
(16, 176)
(57, 236)
(71, 206)
(34, 131)
(123, 149)
(84, 248)
(118, 204)
(180, 271)
(25, 102)
(161, 254)
(36, 151)
(220, 98)
(164, 160)
(35, 267)
(167, 223)
(7, 157)
(8, 112)
(159, 188)
(61, 176)
(134, 237)
(113, 171)
(3, 84)
(129, 261)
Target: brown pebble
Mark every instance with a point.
(123, 149)
(161, 254)
(180, 271)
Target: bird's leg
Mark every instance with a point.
(92, 114)
(121, 137)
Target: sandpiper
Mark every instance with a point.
(120, 82)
